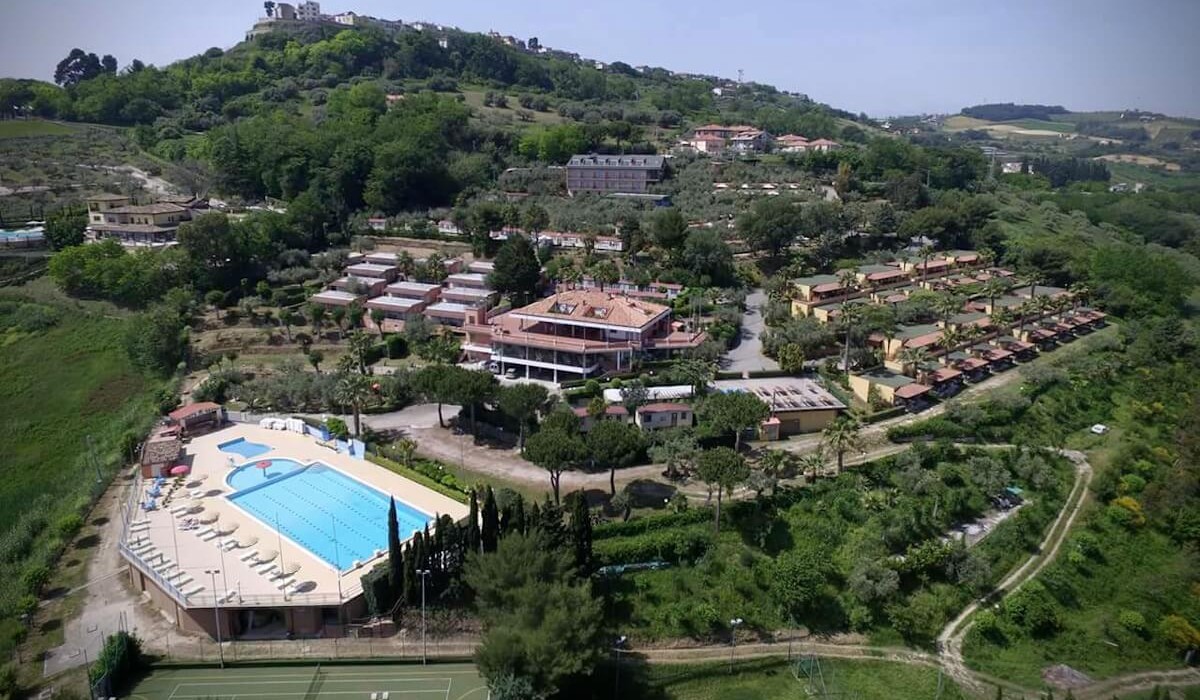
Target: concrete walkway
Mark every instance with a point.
(747, 356)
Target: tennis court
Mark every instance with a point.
(395, 682)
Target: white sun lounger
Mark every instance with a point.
(285, 582)
(250, 555)
(229, 595)
(203, 531)
(210, 537)
(179, 510)
(193, 592)
(264, 569)
(140, 525)
(295, 588)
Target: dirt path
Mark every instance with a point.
(950, 641)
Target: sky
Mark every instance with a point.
(882, 57)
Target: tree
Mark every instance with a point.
(723, 469)
(316, 314)
(668, 229)
(157, 340)
(849, 316)
(315, 358)
(542, 625)
(471, 388)
(77, 67)
(790, 358)
(64, 227)
(354, 390)
(771, 224)
(708, 258)
(489, 533)
(474, 535)
(674, 447)
(841, 436)
(614, 444)
(811, 464)
(777, 464)
(377, 317)
(517, 270)
(534, 219)
(733, 412)
(798, 580)
(360, 349)
(522, 402)
(395, 553)
(581, 532)
(695, 373)
(556, 451)
(434, 384)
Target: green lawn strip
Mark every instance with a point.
(20, 128)
(768, 679)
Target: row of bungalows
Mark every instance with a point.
(565, 239)
(375, 282)
(648, 417)
(819, 295)
(943, 371)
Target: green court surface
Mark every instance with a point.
(394, 682)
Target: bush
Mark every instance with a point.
(8, 681)
(377, 590)
(119, 659)
(675, 546)
(649, 523)
(34, 578)
(337, 428)
(68, 525)
(1133, 621)
(397, 346)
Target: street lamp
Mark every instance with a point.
(217, 613)
(618, 647)
(733, 625)
(423, 573)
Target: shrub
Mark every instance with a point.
(119, 659)
(377, 590)
(1178, 632)
(34, 578)
(1132, 620)
(68, 525)
(397, 347)
(8, 680)
(675, 546)
(337, 428)
(649, 523)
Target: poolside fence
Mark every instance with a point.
(440, 643)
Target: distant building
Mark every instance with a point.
(308, 11)
(605, 173)
(113, 216)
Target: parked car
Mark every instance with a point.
(1099, 429)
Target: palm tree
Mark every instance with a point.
(925, 253)
(316, 313)
(951, 338)
(848, 317)
(810, 464)
(987, 256)
(354, 390)
(1002, 319)
(912, 358)
(1079, 293)
(972, 334)
(377, 317)
(777, 464)
(841, 436)
(994, 288)
(947, 305)
(848, 280)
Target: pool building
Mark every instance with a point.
(269, 533)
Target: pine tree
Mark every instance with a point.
(473, 534)
(581, 532)
(490, 534)
(395, 556)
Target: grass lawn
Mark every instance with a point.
(474, 98)
(768, 679)
(1064, 127)
(18, 128)
(309, 682)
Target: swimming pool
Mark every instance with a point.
(331, 514)
(35, 232)
(245, 448)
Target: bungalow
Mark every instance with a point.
(974, 369)
(998, 359)
(482, 267)
(1022, 351)
(427, 293)
(823, 145)
(891, 388)
(161, 451)
(470, 280)
(381, 258)
(370, 269)
(925, 336)
(878, 276)
(470, 296)
(943, 381)
(657, 416)
(750, 141)
(447, 313)
(370, 286)
(197, 417)
(615, 412)
(396, 310)
(791, 143)
(332, 298)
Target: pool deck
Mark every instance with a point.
(189, 556)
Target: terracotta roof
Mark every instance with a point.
(594, 306)
(663, 407)
(944, 374)
(909, 391)
(185, 412)
(968, 364)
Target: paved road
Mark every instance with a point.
(747, 356)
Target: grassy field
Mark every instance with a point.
(1064, 127)
(58, 386)
(411, 682)
(774, 679)
(22, 128)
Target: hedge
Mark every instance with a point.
(118, 660)
(443, 482)
(674, 546)
(657, 521)
(886, 413)
(377, 590)
(936, 428)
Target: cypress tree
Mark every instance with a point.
(490, 533)
(533, 519)
(410, 575)
(473, 534)
(551, 523)
(395, 556)
(520, 523)
(581, 532)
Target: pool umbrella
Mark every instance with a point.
(194, 506)
(291, 568)
(269, 555)
(210, 517)
(263, 464)
(247, 541)
(229, 529)
(180, 469)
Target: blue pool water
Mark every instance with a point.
(245, 448)
(35, 232)
(336, 517)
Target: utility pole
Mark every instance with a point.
(423, 573)
(217, 614)
(733, 624)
